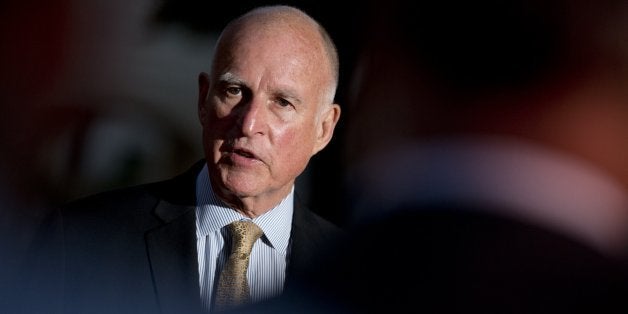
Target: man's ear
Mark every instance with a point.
(325, 129)
(203, 93)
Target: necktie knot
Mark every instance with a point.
(244, 234)
(233, 288)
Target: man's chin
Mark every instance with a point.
(242, 185)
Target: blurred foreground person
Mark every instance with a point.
(34, 59)
(489, 160)
(266, 108)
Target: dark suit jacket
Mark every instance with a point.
(133, 250)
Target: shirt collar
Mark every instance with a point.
(212, 214)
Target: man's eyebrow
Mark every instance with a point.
(230, 78)
(282, 92)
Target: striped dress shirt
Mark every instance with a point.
(267, 267)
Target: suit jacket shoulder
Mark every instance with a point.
(126, 250)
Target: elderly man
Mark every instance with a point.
(266, 108)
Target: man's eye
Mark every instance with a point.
(233, 91)
(284, 103)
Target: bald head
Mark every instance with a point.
(277, 23)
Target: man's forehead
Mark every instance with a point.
(281, 50)
(271, 58)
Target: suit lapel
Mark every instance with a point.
(306, 240)
(302, 244)
(313, 239)
(174, 262)
(172, 246)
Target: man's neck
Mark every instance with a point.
(254, 206)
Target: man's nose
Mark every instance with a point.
(252, 117)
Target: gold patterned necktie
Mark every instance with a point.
(233, 288)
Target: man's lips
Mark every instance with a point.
(244, 153)
(239, 155)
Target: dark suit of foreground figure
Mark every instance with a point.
(496, 178)
(266, 107)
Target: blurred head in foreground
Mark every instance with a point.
(520, 104)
